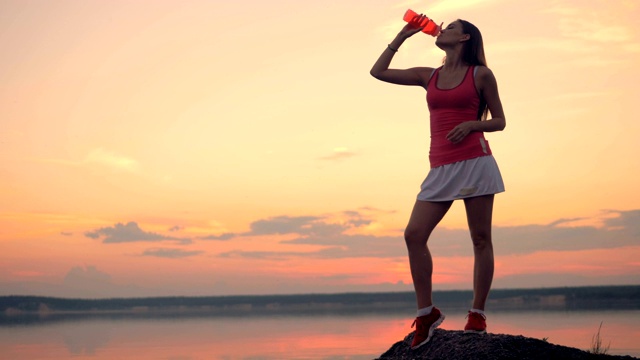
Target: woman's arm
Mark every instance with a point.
(488, 88)
(381, 71)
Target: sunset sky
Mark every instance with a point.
(155, 147)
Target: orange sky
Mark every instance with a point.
(206, 148)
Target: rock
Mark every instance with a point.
(454, 345)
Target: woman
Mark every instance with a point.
(460, 94)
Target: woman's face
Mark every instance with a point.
(452, 34)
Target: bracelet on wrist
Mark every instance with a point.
(390, 48)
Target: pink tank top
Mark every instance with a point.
(448, 108)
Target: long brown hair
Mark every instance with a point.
(473, 54)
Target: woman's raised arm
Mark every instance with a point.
(412, 76)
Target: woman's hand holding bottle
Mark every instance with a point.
(412, 27)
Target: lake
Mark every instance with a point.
(363, 336)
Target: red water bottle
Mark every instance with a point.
(428, 25)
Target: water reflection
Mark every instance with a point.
(86, 339)
(282, 337)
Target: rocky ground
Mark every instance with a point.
(454, 345)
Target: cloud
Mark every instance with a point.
(310, 225)
(581, 95)
(559, 235)
(593, 25)
(621, 230)
(551, 279)
(170, 253)
(345, 246)
(262, 255)
(564, 221)
(85, 282)
(101, 158)
(539, 44)
(445, 6)
(66, 233)
(585, 36)
(373, 209)
(329, 231)
(221, 237)
(112, 160)
(627, 222)
(406, 4)
(176, 228)
(337, 247)
(339, 154)
(130, 232)
(633, 48)
(86, 275)
(290, 225)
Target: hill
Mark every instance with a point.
(454, 345)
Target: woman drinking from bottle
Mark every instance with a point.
(460, 95)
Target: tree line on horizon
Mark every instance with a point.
(614, 297)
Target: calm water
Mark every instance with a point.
(288, 337)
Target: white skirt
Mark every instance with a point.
(462, 179)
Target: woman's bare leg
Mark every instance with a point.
(424, 218)
(479, 213)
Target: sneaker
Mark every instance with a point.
(477, 323)
(425, 326)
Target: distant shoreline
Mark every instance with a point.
(566, 298)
